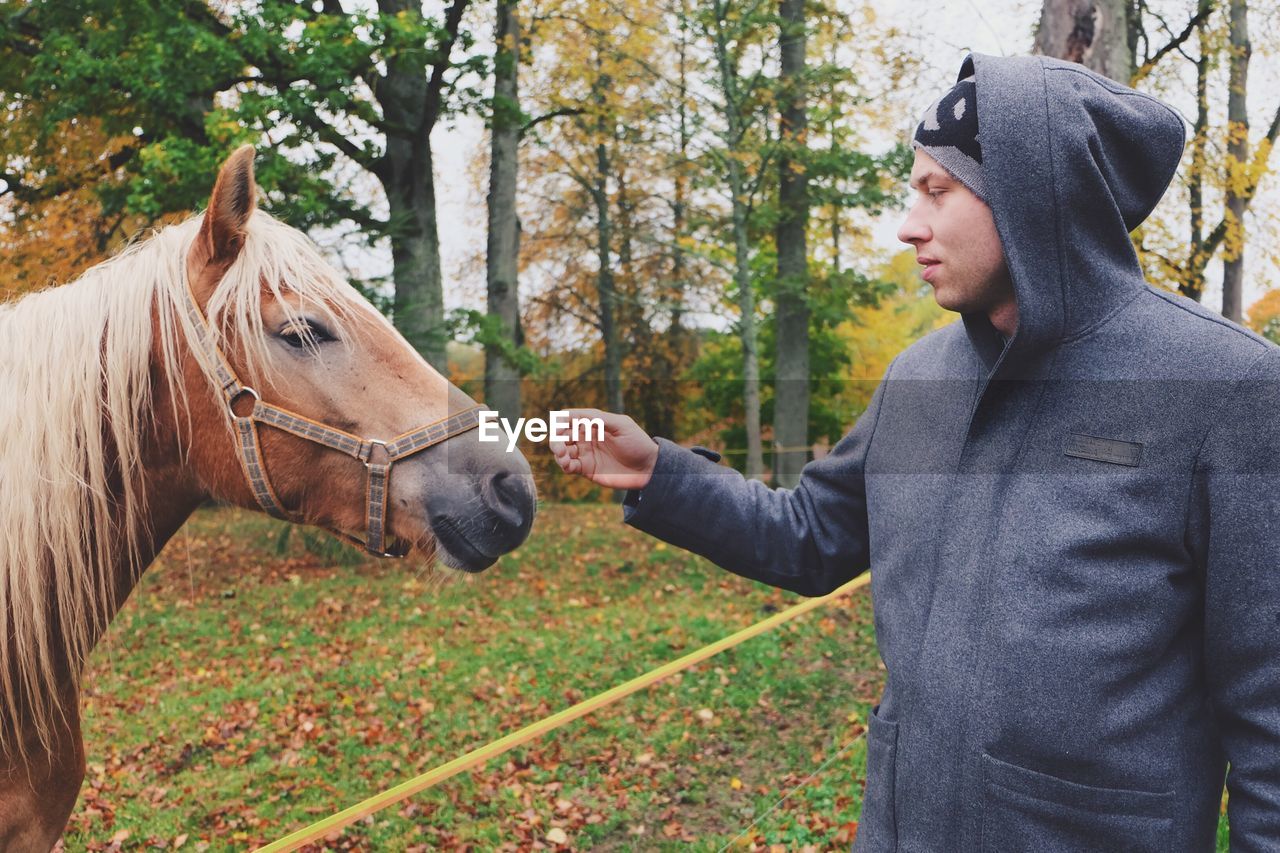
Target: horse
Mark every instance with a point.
(220, 358)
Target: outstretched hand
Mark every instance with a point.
(623, 460)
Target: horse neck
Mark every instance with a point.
(170, 494)
(172, 491)
(171, 497)
(170, 488)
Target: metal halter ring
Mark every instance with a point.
(244, 389)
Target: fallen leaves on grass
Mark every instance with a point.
(215, 723)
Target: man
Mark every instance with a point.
(1069, 499)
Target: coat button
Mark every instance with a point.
(703, 451)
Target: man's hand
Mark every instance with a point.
(624, 460)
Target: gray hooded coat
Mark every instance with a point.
(1074, 537)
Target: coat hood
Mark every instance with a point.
(1073, 162)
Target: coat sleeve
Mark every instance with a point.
(809, 540)
(1236, 520)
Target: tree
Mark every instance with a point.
(50, 234)
(1176, 249)
(1237, 164)
(1223, 163)
(1193, 285)
(1264, 316)
(736, 29)
(411, 95)
(678, 284)
(608, 185)
(791, 414)
(1095, 33)
(333, 98)
(501, 374)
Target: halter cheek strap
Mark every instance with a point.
(378, 456)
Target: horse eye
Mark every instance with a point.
(306, 333)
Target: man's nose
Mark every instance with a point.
(913, 230)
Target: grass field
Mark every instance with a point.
(260, 679)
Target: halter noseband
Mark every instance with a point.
(377, 456)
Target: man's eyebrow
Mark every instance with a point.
(924, 179)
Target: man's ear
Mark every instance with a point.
(233, 201)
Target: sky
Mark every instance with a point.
(951, 29)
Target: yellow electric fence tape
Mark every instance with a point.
(495, 748)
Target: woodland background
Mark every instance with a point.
(681, 210)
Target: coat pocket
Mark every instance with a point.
(1026, 810)
(878, 826)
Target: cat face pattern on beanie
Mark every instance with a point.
(949, 134)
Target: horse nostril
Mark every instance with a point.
(504, 488)
(509, 498)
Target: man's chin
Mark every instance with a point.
(949, 301)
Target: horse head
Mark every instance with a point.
(329, 406)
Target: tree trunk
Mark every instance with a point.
(501, 377)
(1094, 33)
(1237, 163)
(1193, 281)
(605, 284)
(832, 150)
(734, 138)
(629, 318)
(415, 249)
(410, 100)
(677, 338)
(747, 324)
(791, 395)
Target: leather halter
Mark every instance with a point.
(378, 456)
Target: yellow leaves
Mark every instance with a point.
(735, 783)
(1233, 237)
(877, 334)
(52, 240)
(1242, 177)
(1264, 312)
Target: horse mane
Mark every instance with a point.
(76, 378)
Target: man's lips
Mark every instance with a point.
(929, 265)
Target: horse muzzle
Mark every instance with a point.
(481, 506)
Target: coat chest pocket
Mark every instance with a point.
(878, 825)
(1024, 810)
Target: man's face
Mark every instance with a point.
(955, 239)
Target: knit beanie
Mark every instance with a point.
(949, 134)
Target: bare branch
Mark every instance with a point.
(1174, 44)
(435, 86)
(559, 113)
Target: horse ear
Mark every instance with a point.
(233, 200)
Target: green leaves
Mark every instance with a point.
(486, 330)
(177, 85)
